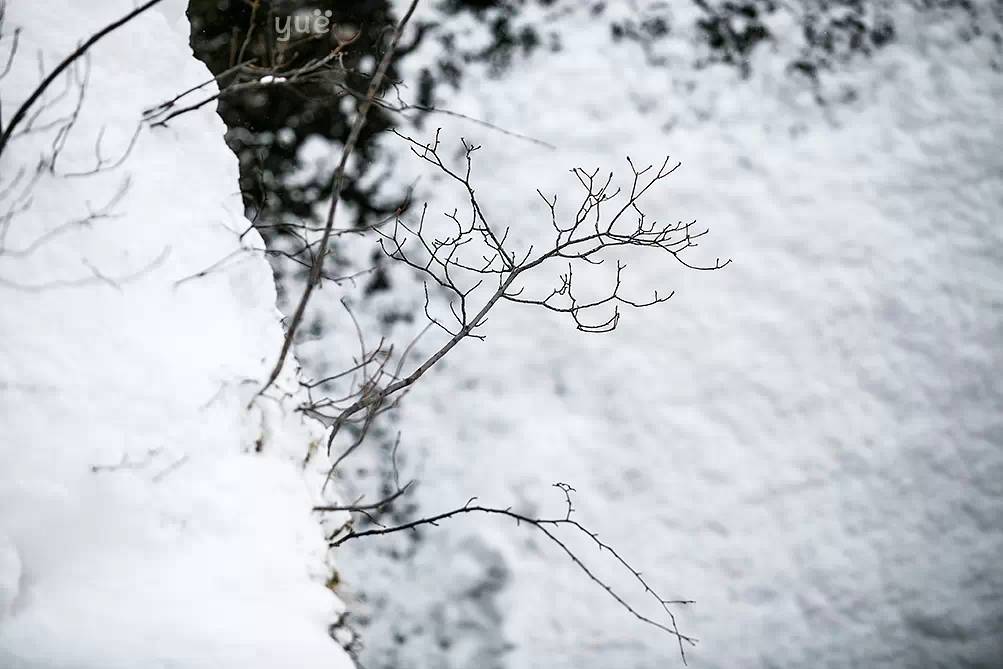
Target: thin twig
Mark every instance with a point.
(338, 184)
(546, 525)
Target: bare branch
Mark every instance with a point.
(78, 53)
(547, 527)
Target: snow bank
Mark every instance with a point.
(147, 517)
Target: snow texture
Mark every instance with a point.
(808, 443)
(148, 518)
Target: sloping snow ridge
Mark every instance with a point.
(148, 518)
(807, 443)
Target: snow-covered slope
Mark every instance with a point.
(808, 443)
(147, 517)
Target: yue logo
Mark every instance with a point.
(307, 23)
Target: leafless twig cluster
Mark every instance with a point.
(474, 264)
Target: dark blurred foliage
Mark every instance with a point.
(726, 32)
(510, 37)
(829, 33)
(268, 125)
(832, 32)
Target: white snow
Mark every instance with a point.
(148, 518)
(808, 443)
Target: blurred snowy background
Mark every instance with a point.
(808, 443)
